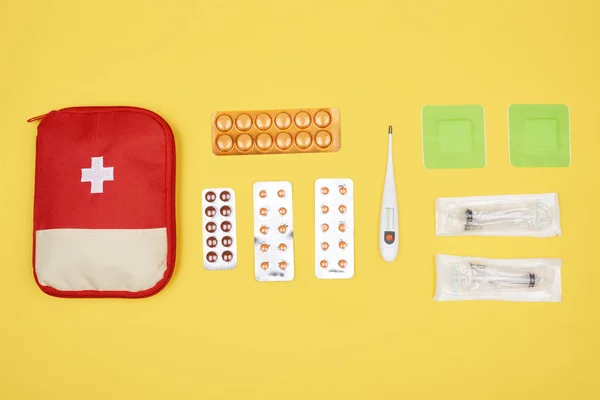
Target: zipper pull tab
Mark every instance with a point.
(37, 118)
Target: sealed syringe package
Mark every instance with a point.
(520, 280)
(536, 215)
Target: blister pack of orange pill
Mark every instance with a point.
(273, 231)
(310, 130)
(334, 228)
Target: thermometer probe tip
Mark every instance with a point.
(390, 130)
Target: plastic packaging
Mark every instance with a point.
(218, 221)
(524, 280)
(273, 231)
(334, 228)
(536, 215)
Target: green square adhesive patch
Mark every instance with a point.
(539, 135)
(453, 136)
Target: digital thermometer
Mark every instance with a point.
(388, 221)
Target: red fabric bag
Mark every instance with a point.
(104, 206)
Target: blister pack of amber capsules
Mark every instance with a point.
(314, 130)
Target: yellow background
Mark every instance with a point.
(212, 335)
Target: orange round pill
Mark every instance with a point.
(342, 263)
(263, 211)
(283, 120)
(324, 209)
(324, 245)
(224, 123)
(323, 139)
(243, 122)
(342, 208)
(264, 265)
(224, 142)
(282, 247)
(303, 140)
(264, 141)
(324, 190)
(263, 121)
(281, 193)
(342, 244)
(322, 119)
(262, 194)
(342, 227)
(324, 227)
(282, 229)
(302, 120)
(324, 264)
(282, 211)
(282, 265)
(343, 190)
(244, 142)
(264, 229)
(283, 141)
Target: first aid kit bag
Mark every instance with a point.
(104, 202)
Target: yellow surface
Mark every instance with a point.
(214, 335)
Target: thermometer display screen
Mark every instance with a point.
(389, 219)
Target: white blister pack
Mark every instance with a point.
(536, 215)
(475, 278)
(334, 228)
(218, 222)
(273, 231)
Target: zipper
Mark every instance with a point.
(37, 117)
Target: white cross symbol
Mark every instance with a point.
(97, 174)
